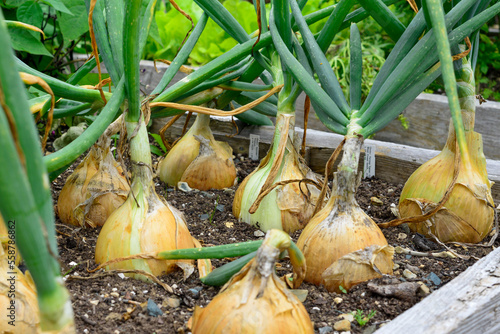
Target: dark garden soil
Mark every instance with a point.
(108, 303)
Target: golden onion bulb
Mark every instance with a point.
(344, 247)
(466, 216)
(255, 300)
(144, 223)
(95, 189)
(18, 300)
(287, 207)
(199, 160)
(341, 244)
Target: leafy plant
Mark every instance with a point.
(361, 318)
(214, 41)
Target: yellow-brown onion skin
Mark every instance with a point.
(26, 315)
(292, 204)
(203, 169)
(332, 234)
(153, 227)
(275, 311)
(466, 216)
(211, 170)
(98, 175)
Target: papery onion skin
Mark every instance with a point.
(467, 216)
(152, 227)
(340, 229)
(253, 302)
(330, 235)
(206, 165)
(95, 189)
(287, 207)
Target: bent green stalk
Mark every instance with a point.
(25, 193)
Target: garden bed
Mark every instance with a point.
(108, 303)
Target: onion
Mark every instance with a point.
(255, 300)
(26, 315)
(287, 207)
(341, 244)
(199, 160)
(144, 223)
(95, 189)
(468, 214)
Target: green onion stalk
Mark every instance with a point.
(26, 205)
(145, 222)
(453, 188)
(342, 245)
(282, 192)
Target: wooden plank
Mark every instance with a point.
(468, 304)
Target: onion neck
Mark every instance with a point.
(140, 154)
(347, 172)
(202, 121)
(467, 98)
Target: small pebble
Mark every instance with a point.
(337, 300)
(342, 325)
(347, 316)
(423, 290)
(183, 186)
(153, 309)
(115, 294)
(326, 329)
(376, 201)
(434, 278)
(121, 275)
(409, 274)
(259, 234)
(220, 207)
(402, 236)
(204, 216)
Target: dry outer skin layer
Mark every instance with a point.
(110, 304)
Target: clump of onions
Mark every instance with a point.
(144, 223)
(467, 215)
(255, 300)
(342, 245)
(199, 160)
(95, 189)
(288, 206)
(19, 289)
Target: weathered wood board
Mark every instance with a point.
(468, 304)
(394, 162)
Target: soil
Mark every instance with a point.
(110, 303)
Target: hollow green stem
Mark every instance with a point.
(71, 152)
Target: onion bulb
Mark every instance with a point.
(144, 223)
(95, 189)
(287, 207)
(199, 160)
(342, 245)
(468, 214)
(255, 300)
(25, 315)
